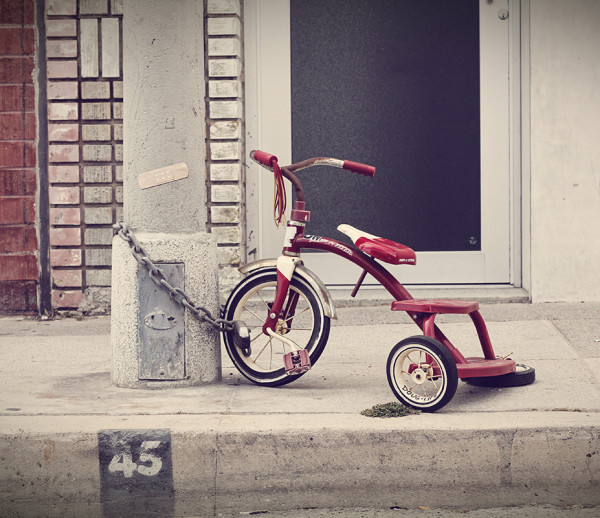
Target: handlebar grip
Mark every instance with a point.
(355, 167)
(263, 158)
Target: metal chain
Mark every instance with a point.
(160, 279)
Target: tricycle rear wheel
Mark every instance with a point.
(523, 375)
(422, 373)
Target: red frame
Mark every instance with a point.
(489, 365)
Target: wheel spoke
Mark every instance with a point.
(260, 319)
(263, 300)
(257, 336)
(261, 351)
(418, 363)
(296, 315)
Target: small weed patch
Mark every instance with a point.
(389, 410)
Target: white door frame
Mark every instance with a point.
(268, 125)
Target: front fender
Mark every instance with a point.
(316, 283)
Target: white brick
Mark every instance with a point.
(97, 152)
(224, 67)
(225, 130)
(225, 88)
(223, 7)
(118, 131)
(225, 214)
(222, 26)
(97, 215)
(89, 47)
(98, 277)
(229, 255)
(97, 174)
(98, 257)
(93, 6)
(225, 193)
(110, 47)
(225, 172)
(117, 6)
(118, 89)
(226, 235)
(225, 109)
(95, 90)
(96, 131)
(224, 47)
(98, 236)
(97, 194)
(225, 151)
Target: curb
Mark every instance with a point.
(206, 465)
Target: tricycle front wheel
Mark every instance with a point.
(306, 325)
(422, 373)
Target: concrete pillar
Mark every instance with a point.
(154, 343)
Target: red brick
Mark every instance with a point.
(62, 90)
(66, 299)
(65, 216)
(15, 182)
(63, 173)
(60, 27)
(17, 154)
(12, 154)
(61, 48)
(63, 132)
(70, 236)
(18, 297)
(17, 126)
(17, 210)
(65, 257)
(63, 111)
(15, 41)
(16, 70)
(64, 195)
(11, 98)
(16, 12)
(67, 278)
(18, 239)
(18, 267)
(63, 153)
(62, 69)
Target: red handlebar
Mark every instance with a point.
(263, 158)
(355, 167)
(267, 160)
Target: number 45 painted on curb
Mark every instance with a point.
(149, 463)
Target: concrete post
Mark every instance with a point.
(154, 343)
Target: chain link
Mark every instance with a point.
(159, 278)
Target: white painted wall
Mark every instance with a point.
(565, 150)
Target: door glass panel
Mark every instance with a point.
(395, 84)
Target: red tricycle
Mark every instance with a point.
(282, 310)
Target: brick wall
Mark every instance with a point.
(85, 133)
(225, 111)
(18, 241)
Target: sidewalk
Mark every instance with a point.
(234, 447)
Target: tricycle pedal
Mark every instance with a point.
(296, 362)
